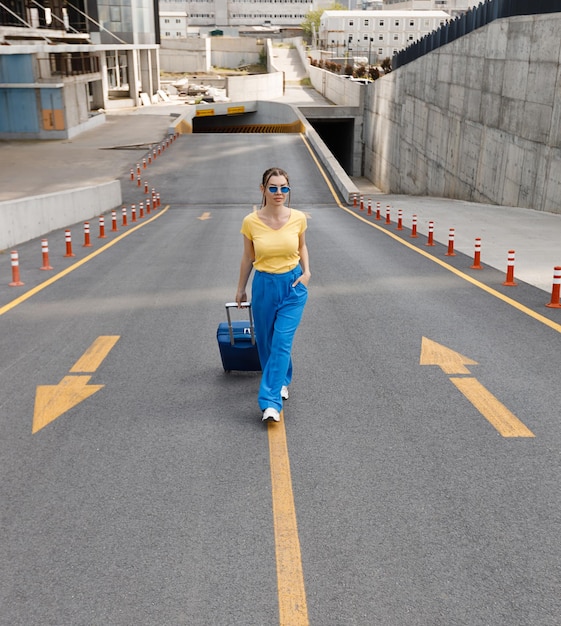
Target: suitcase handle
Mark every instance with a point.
(244, 305)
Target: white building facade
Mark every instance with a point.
(225, 14)
(173, 25)
(452, 7)
(375, 34)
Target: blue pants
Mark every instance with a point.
(277, 310)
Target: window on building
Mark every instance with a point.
(381, 23)
(381, 37)
(380, 50)
(396, 37)
(351, 22)
(411, 22)
(397, 23)
(365, 22)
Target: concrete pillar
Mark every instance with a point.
(155, 60)
(134, 80)
(146, 77)
(99, 87)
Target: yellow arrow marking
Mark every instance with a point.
(496, 413)
(293, 609)
(51, 401)
(492, 410)
(94, 355)
(450, 362)
(205, 216)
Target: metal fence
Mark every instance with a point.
(482, 14)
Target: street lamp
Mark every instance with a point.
(369, 49)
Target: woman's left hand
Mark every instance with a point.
(304, 279)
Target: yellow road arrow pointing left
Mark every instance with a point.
(51, 401)
(451, 362)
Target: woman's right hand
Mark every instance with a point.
(241, 296)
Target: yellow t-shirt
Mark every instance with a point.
(276, 251)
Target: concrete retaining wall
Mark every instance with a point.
(337, 89)
(27, 218)
(199, 54)
(186, 55)
(255, 86)
(233, 52)
(476, 120)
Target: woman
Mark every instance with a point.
(274, 244)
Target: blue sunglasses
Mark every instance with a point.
(275, 188)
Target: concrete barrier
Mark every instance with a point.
(27, 218)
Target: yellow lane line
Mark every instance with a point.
(497, 294)
(492, 410)
(28, 294)
(95, 354)
(293, 609)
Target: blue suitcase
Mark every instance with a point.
(236, 341)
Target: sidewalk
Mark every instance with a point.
(535, 236)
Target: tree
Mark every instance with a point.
(386, 65)
(310, 25)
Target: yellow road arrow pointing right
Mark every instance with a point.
(205, 216)
(51, 401)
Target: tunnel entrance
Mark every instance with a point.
(338, 136)
(336, 132)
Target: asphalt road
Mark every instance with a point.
(150, 501)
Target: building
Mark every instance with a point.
(452, 7)
(174, 25)
(375, 35)
(63, 62)
(229, 15)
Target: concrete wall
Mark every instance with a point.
(24, 219)
(477, 120)
(185, 55)
(337, 89)
(350, 97)
(231, 52)
(199, 54)
(255, 86)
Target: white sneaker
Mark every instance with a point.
(284, 392)
(270, 413)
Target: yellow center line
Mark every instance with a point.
(293, 609)
(28, 294)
